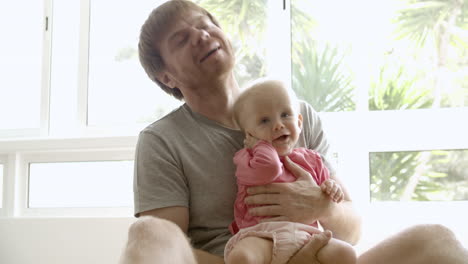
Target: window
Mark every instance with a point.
(391, 86)
(119, 91)
(437, 175)
(21, 50)
(386, 92)
(79, 182)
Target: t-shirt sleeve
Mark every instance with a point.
(158, 179)
(315, 136)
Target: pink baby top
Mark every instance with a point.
(262, 165)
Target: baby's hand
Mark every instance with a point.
(250, 141)
(333, 190)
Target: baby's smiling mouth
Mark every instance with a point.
(209, 54)
(281, 138)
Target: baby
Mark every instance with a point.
(268, 113)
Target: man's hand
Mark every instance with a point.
(301, 201)
(308, 253)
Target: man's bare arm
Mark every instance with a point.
(342, 218)
(303, 201)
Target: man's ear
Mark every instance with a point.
(299, 121)
(166, 78)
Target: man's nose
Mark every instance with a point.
(199, 35)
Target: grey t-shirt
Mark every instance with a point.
(186, 159)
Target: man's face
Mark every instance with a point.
(194, 50)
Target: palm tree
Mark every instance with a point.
(435, 23)
(320, 78)
(429, 24)
(245, 21)
(318, 72)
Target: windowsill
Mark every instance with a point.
(61, 143)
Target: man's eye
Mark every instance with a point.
(203, 26)
(182, 40)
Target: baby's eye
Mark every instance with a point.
(285, 114)
(264, 120)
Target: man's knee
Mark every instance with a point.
(431, 233)
(154, 229)
(154, 239)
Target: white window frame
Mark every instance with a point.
(357, 134)
(43, 129)
(3, 161)
(23, 152)
(350, 132)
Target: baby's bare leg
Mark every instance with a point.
(154, 240)
(308, 253)
(337, 251)
(251, 250)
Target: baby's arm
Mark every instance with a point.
(333, 190)
(259, 165)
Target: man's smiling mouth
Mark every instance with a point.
(209, 54)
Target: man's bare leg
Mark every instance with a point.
(422, 244)
(154, 240)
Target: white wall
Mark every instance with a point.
(62, 240)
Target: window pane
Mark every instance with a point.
(246, 24)
(119, 91)
(322, 46)
(423, 65)
(399, 56)
(64, 66)
(20, 64)
(81, 184)
(437, 175)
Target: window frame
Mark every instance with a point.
(22, 152)
(351, 145)
(3, 190)
(44, 110)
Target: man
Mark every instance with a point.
(184, 171)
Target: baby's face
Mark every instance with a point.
(269, 114)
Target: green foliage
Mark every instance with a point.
(320, 78)
(439, 28)
(444, 178)
(395, 89)
(245, 23)
(390, 172)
